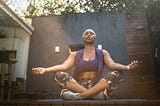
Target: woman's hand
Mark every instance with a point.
(133, 65)
(38, 70)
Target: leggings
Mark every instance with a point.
(62, 79)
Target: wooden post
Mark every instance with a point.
(2, 79)
(9, 79)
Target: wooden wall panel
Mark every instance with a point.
(143, 82)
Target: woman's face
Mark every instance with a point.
(89, 36)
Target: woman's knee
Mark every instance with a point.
(114, 78)
(62, 78)
(103, 80)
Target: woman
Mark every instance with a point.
(87, 81)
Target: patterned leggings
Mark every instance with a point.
(62, 79)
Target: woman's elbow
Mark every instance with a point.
(64, 68)
(111, 67)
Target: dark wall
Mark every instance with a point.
(64, 30)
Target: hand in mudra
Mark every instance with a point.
(134, 65)
(38, 70)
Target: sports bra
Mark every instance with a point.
(86, 66)
(98, 61)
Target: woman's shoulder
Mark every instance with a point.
(105, 52)
(73, 53)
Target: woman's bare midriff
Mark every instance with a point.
(87, 75)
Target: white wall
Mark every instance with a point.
(17, 39)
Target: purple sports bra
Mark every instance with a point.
(95, 65)
(86, 66)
